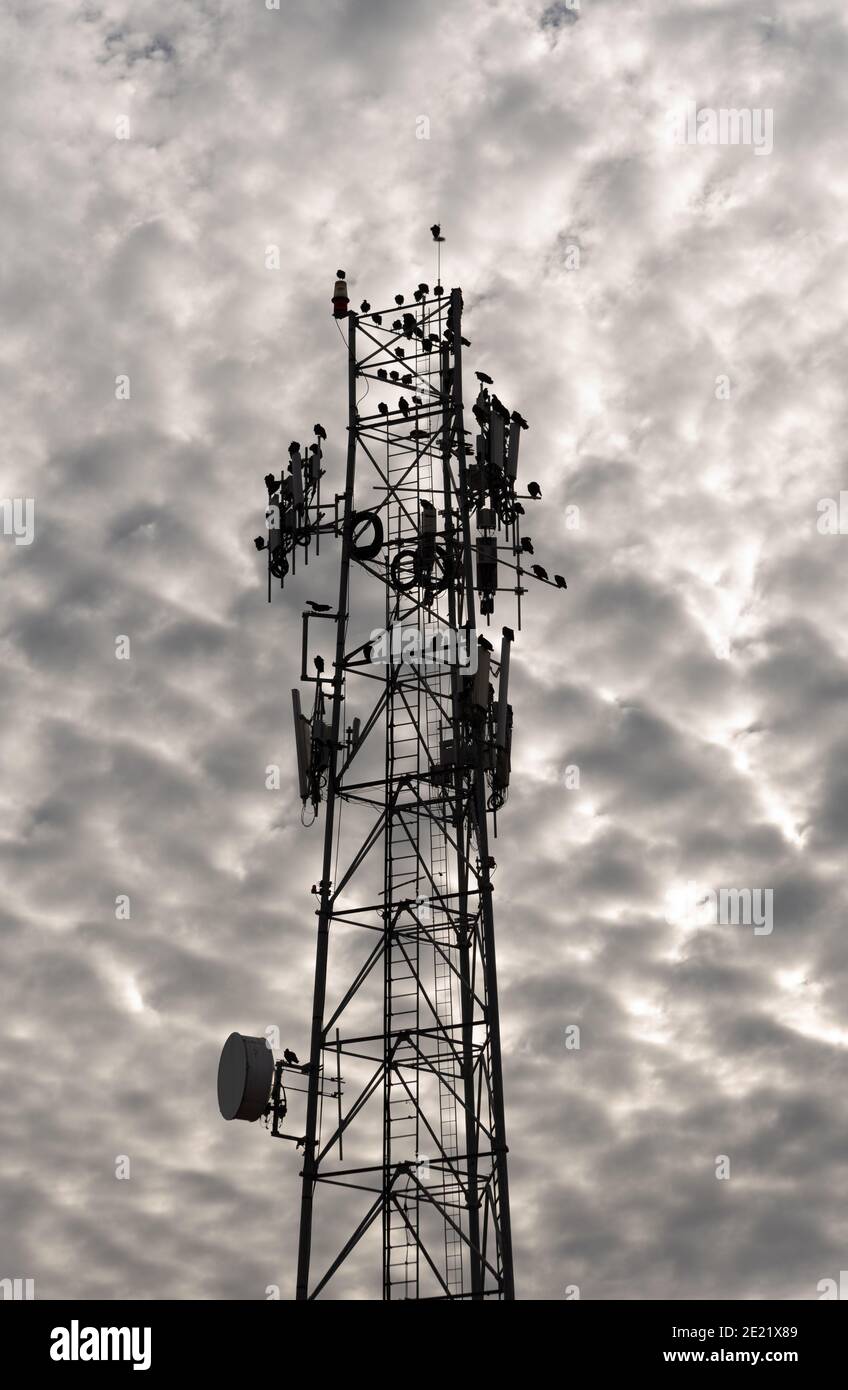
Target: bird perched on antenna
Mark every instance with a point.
(320, 431)
(318, 607)
(403, 407)
(383, 408)
(398, 299)
(539, 571)
(534, 491)
(437, 232)
(364, 307)
(484, 377)
(290, 1057)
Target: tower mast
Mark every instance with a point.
(405, 1138)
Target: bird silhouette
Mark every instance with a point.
(382, 374)
(364, 307)
(437, 232)
(291, 1057)
(483, 376)
(519, 420)
(534, 490)
(559, 580)
(539, 572)
(377, 318)
(403, 407)
(320, 431)
(406, 380)
(526, 545)
(383, 408)
(318, 607)
(398, 299)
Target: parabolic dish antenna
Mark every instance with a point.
(245, 1074)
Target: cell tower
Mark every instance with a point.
(408, 745)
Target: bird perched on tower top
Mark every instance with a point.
(437, 232)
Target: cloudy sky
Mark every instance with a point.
(670, 319)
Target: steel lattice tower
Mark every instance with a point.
(405, 1136)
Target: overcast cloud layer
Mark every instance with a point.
(696, 673)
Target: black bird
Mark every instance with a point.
(539, 572)
(519, 420)
(271, 482)
(560, 581)
(425, 289)
(416, 400)
(527, 546)
(438, 291)
(483, 376)
(393, 376)
(382, 374)
(406, 380)
(383, 408)
(259, 542)
(403, 407)
(399, 352)
(437, 232)
(318, 607)
(397, 326)
(377, 318)
(365, 307)
(291, 1057)
(320, 431)
(318, 663)
(398, 299)
(534, 490)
